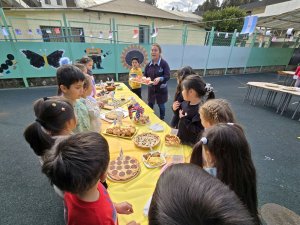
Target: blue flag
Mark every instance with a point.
(249, 24)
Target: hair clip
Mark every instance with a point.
(208, 87)
(63, 109)
(231, 124)
(204, 140)
(53, 104)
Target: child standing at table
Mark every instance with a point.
(195, 92)
(135, 71)
(89, 63)
(178, 99)
(55, 118)
(91, 105)
(187, 195)
(216, 111)
(70, 82)
(224, 152)
(76, 165)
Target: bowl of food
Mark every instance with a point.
(142, 120)
(153, 159)
(110, 88)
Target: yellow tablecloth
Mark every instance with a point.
(139, 190)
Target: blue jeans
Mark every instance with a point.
(162, 109)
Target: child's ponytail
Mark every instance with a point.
(37, 138)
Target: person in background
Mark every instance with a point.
(135, 71)
(195, 92)
(187, 195)
(159, 72)
(88, 62)
(178, 99)
(297, 76)
(224, 152)
(91, 105)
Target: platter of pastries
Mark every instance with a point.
(115, 103)
(142, 120)
(142, 80)
(123, 169)
(114, 115)
(146, 140)
(121, 131)
(153, 159)
(172, 140)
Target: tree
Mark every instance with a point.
(151, 2)
(227, 3)
(208, 5)
(224, 20)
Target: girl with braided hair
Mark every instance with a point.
(216, 111)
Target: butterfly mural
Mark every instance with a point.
(39, 61)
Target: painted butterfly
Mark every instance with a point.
(39, 61)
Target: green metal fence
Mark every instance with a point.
(113, 42)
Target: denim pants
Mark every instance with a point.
(162, 109)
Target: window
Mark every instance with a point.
(58, 34)
(144, 34)
(48, 2)
(59, 2)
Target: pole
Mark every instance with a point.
(210, 43)
(183, 42)
(12, 44)
(2, 14)
(232, 43)
(115, 48)
(251, 46)
(68, 35)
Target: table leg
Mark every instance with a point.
(267, 98)
(296, 110)
(252, 101)
(274, 98)
(287, 103)
(261, 94)
(281, 101)
(257, 96)
(248, 93)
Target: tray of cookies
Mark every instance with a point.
(126, 132)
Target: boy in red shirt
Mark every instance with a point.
(76, 164)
